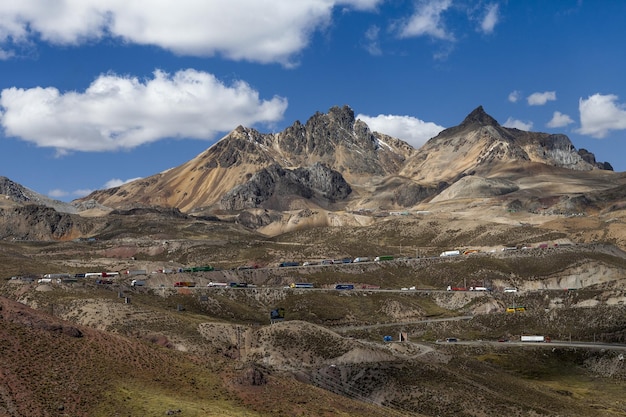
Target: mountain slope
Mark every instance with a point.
(335, 139)
(13, 194)
(480, 146)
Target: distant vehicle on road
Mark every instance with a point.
(450, 253)
(137, 283)
(383, 258)
(451, 340)
(217, 284)
(301, 285)
(361, 259)
(344, 287)
(510, 289)
(534, 338)
(287, 264)
(184, 284)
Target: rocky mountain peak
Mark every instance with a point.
(478, 116)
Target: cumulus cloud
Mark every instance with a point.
(599, 114)
(122, 112)
(491, 18)
(410, 129)
(514, 96)
(116, 182)
(372, 41)
(255, 30)
(427, 21)
(518, 124)
(539, 99)
(560, 120)
(56, 193)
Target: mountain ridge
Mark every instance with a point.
(332, 167)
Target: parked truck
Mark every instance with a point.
(450, 253)
(534, 338)
(185, 284)
(137, 283)
(301, 285)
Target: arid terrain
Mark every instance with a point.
(176, 294)
(80, 348)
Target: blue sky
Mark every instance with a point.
(96, 93)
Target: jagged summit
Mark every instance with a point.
(478, 116)
(333, 163)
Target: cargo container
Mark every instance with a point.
(534, 338)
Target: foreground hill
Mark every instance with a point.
(208, 351)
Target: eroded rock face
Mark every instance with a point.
(315, 181)
(38, 222)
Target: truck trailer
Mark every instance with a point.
(534, 338)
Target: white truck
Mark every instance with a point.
(534, 338)
(450, 253)
(137, 283)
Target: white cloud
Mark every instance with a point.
(56, 193)
(372, 42)
(121, 112)
(599, 114)
(116, 182)
(255, 30)
(81, 192)
(427, 21)
(560, 120)
(410, 129)
(539, 99)
(518, 124)
(514, 96)
(491, 18)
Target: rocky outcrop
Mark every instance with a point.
(22, 195)
(481, 145)
(276, 184)
(591, 159)
(36, 222)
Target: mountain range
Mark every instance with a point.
(333, 167)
